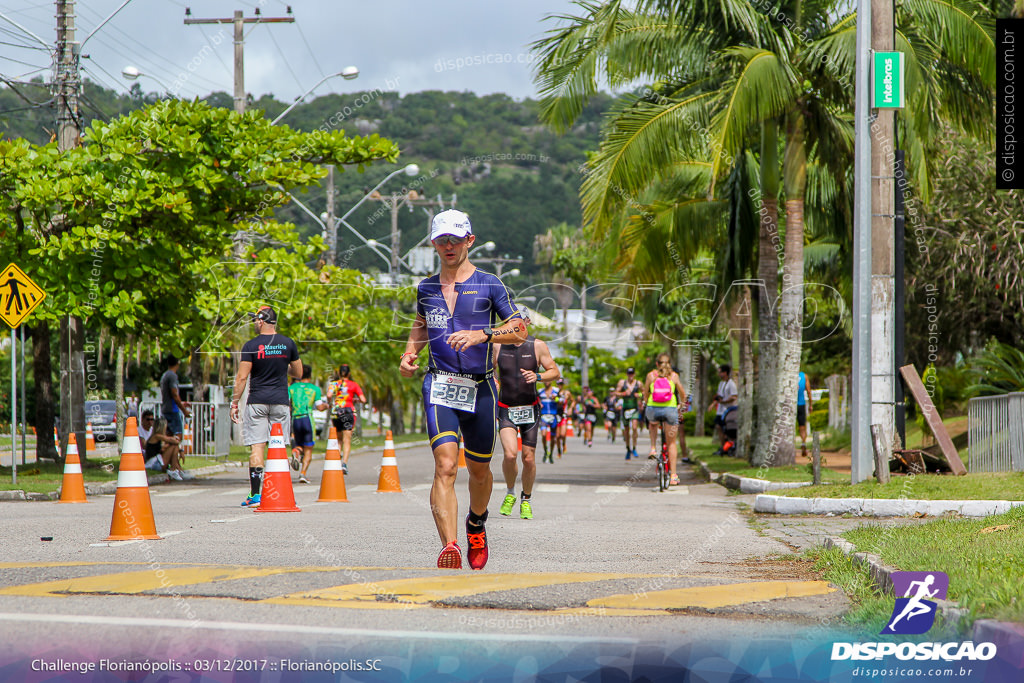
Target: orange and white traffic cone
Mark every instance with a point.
(388, 481)
(186, 440)
(72, 487)
(332, 482)
(133, 510)
(90, 443)
(462, 454)
(277, 494)
(519, 442)
(569, 431)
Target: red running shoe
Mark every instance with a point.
(450, 557)
(477, 553)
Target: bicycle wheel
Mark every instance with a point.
(663, 473)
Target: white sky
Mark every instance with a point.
(475, 45)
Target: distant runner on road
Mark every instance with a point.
(305, 396)
(455, 311)
(630, 391)
(343, 394)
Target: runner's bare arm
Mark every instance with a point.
(295, 369)
(417, 340)
(544, 360)
(244, 368)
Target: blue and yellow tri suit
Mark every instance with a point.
(482, 301)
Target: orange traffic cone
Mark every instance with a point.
(90, 443)
(277, 494)
(462, 454)
(569, 431)
(133, 510)
(388, 481)
(519, 442)
(72, 487)
(186, 440)
(332, 482)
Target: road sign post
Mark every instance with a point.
(19, 296)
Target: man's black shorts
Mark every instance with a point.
(801, 415)
(344, 420)
(527, 431)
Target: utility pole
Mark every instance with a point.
(332, 228)
(239, 23)
(66, 88)
(883, 238)
(394, 202)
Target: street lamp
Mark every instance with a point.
(486, 246)
(348, 73)
(132, 73)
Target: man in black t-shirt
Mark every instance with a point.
(267, 361)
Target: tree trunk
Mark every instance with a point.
(700, 391)
(767, 301)
(72, 384)
(397, 417)
(120, 412)
(745, 390)
(196, 376)
(42, 371)
(790, 343)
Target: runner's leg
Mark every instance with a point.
(509, 465)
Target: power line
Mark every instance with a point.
(310, 49)
(286, 62)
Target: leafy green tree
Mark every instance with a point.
(124, 229)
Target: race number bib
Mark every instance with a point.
(548, 419)
(610, 414)
(521, 415)
(453, 392)
(629, 414)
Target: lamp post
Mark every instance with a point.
(132, 73)
(348, 73)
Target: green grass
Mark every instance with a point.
(46, 476)
(981, 486)
(984, 568)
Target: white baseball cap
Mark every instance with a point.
(450, 222)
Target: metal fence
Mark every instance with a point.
(211, 428)
(995, 433)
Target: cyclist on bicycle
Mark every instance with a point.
(663, 393)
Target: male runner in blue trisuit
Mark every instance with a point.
(454, 314)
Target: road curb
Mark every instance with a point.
(1006, 635)
(880, 507)
(747, 484)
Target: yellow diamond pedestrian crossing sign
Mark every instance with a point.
(19, 296)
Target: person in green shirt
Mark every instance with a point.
(305, 396)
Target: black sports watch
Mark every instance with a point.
(489, 332)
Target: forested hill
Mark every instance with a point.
(513, 176)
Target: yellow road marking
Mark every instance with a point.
(126, 583)
(713, 596)
(420, 592)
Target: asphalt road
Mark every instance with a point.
(607, 561)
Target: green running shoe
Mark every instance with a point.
(506, 505)
(525, 510)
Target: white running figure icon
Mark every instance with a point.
(914, 607)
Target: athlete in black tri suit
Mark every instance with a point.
(519, 412)
(630, 390)
(454, 314)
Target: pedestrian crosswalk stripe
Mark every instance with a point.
(420, 592)
(710, 597)
(363, 487)
(552, 488)
(611, 489)
(236, 492)
(181, 493)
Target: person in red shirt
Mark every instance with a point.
(343, 395)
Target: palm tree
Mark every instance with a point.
(721, 72)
